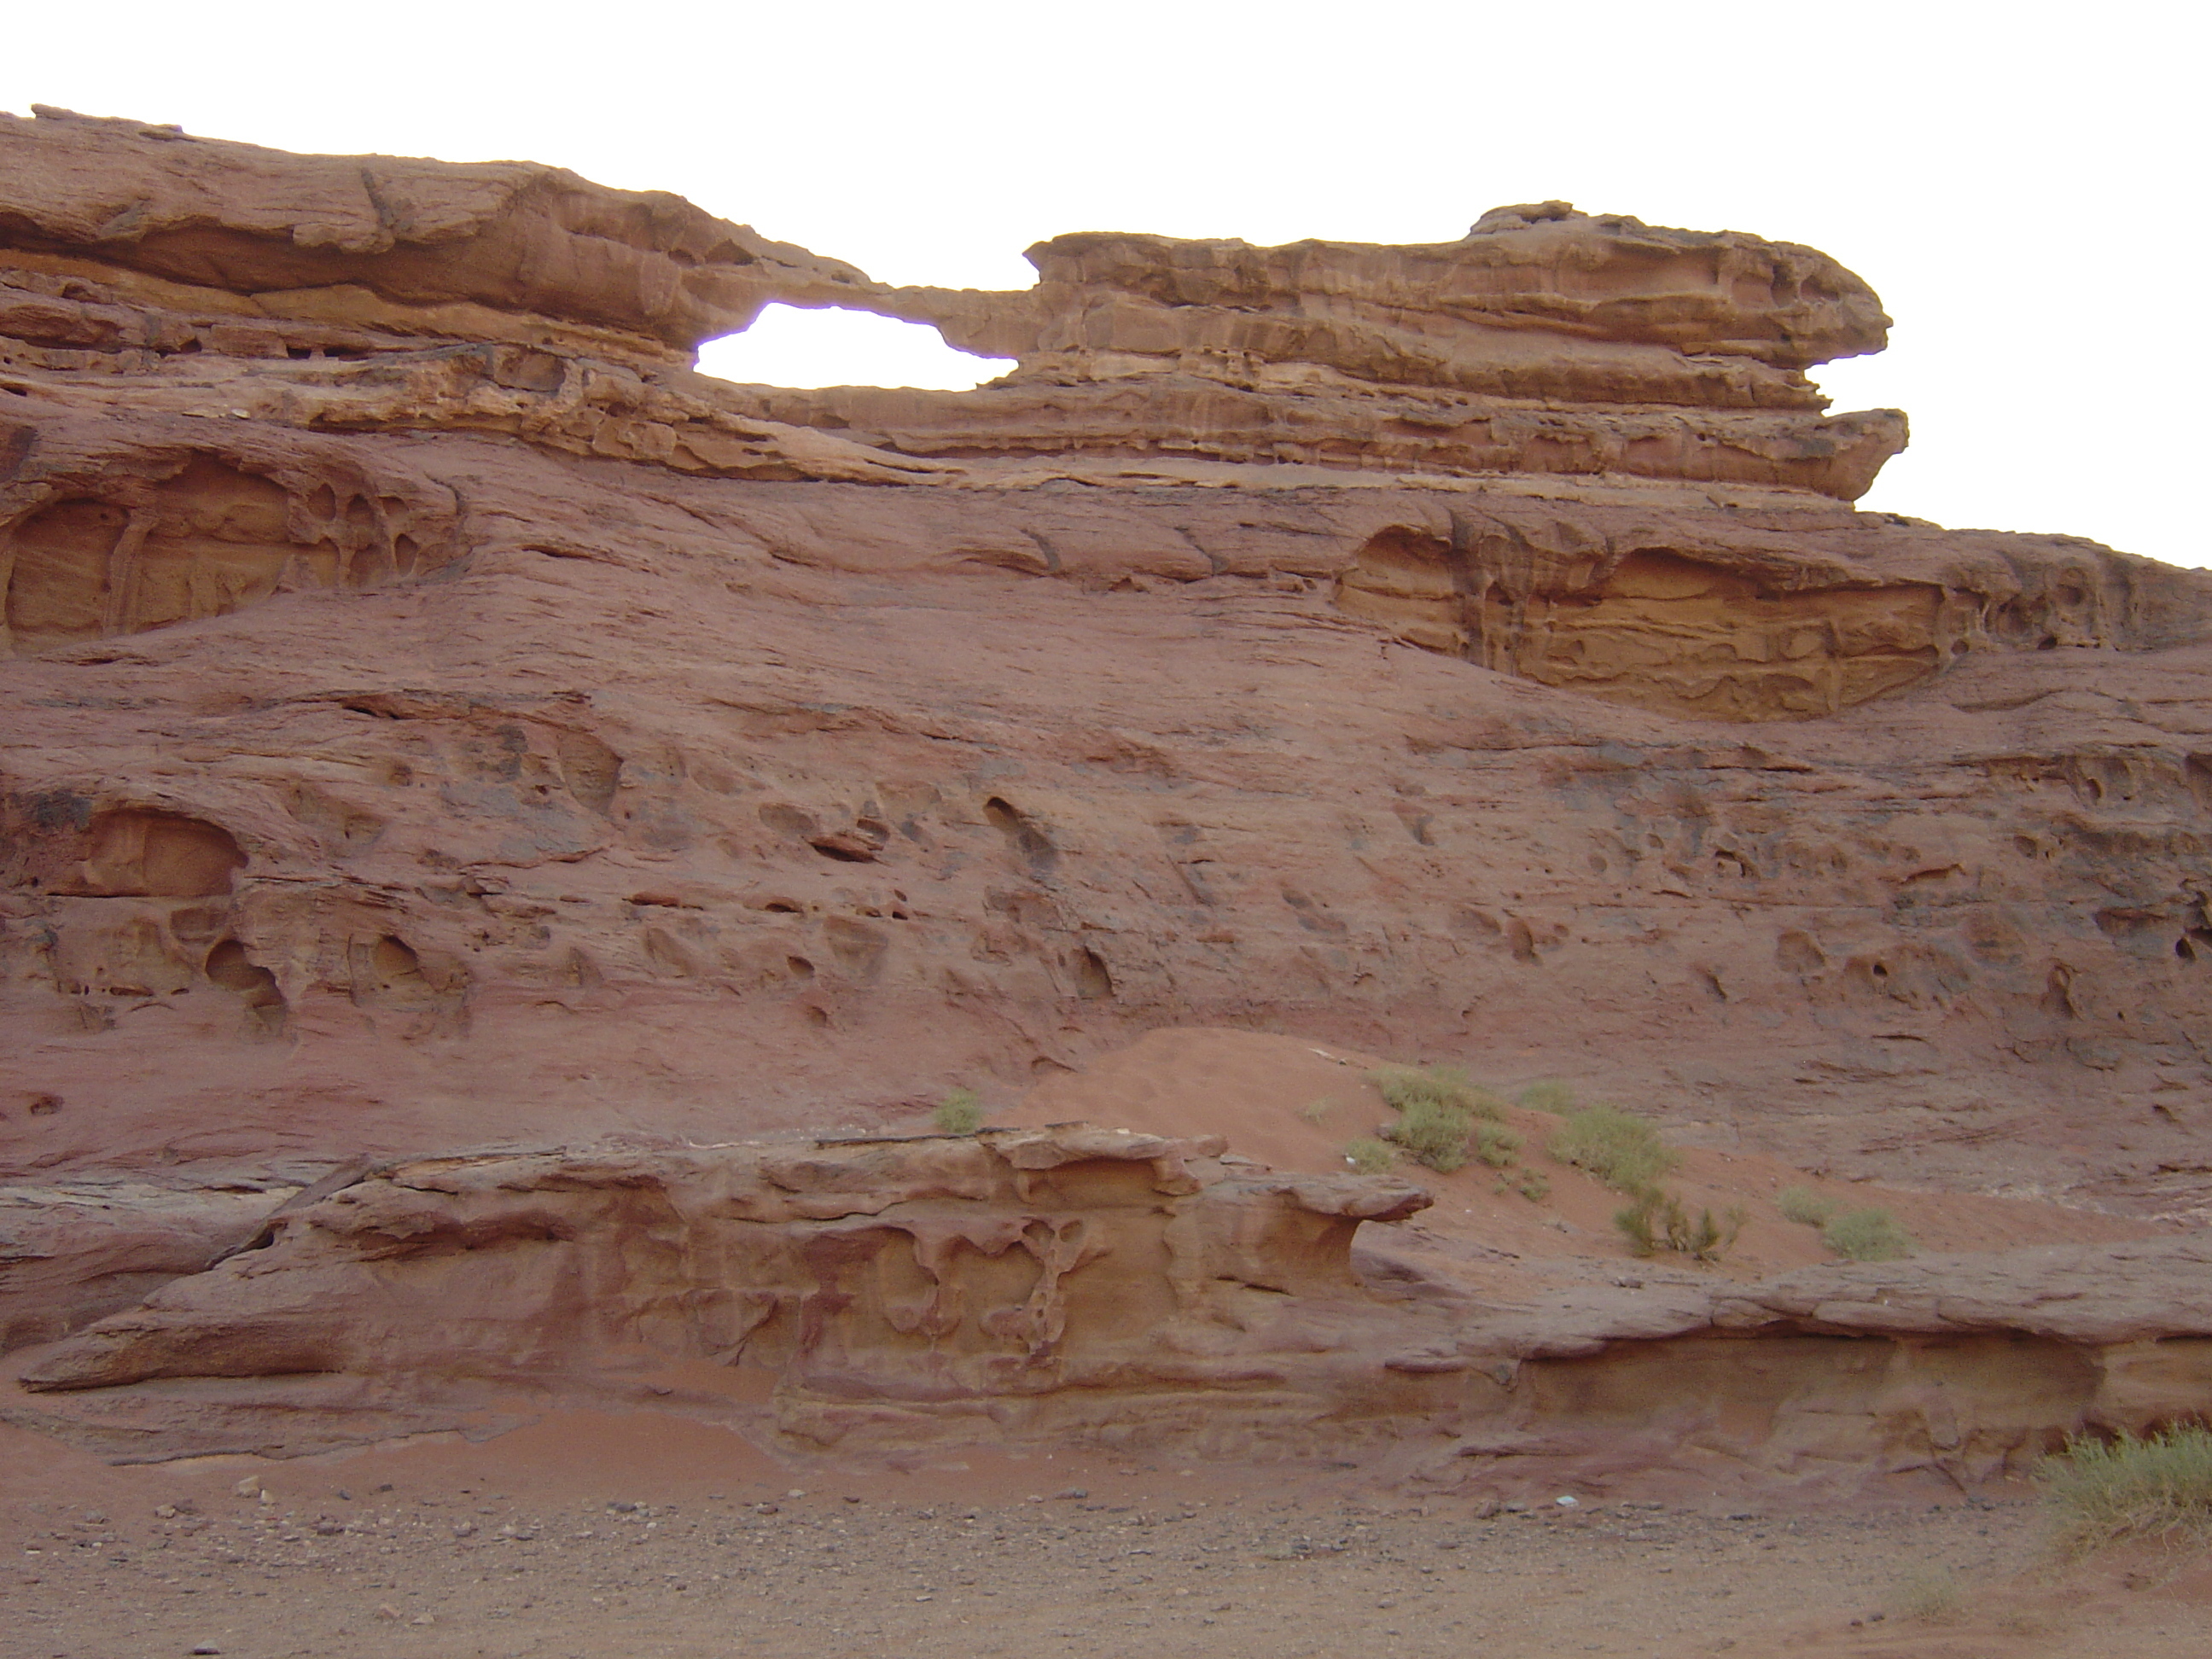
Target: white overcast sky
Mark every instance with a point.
(2023, 183)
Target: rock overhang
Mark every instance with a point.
(1544, 344)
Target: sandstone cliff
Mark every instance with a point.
(435, 716)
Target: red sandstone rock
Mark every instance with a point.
(1105, 1284)
(434, 717)
(72, 1253)
(539, 795)
(1545, 341)
(493, 249)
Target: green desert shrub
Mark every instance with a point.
(2104, 1491)
(1437, 1109)
(1495, 1144)
(960, 1113)
(1658, 1221)
(1805, 1206)
(1531, 1184)
(1433, 1133)
(1548, 1096)
(1370, 1156)
(1618, 1147)
(1867, 1236)
(1402, 1085)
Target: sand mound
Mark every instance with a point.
(1293, 1103)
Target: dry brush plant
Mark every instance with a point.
(2108, 1492)
(1548, 1096)
(1618, 1147)
(960, 1113)
(1625, 1152)
(1805, 1206)
(1444, 1118)
(1495, 1145)
(1368, 1156)
(1868, 1234)
(1658, 1221)
(1437, 1109)
(1932, 1592)
(1531, 1184)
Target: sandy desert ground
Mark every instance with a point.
(594, 1536)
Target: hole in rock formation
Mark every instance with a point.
(1031, 847)
(122, 556)
(1092, 982)
(858, 845)
(387, 971)
(1795, 952)
(136, 854)
(789, 820)
(591, 770)
(230, 967)
(808, 349)
(2056, 608)
(211, 539)
(1654, 628)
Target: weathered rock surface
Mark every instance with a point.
(1545, 341)
(73, 1254)
(435, 716)
(1123, 1287)
(1028, 1273)
(680, 807)
(295, 251)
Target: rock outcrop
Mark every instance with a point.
(1124, 1288)
(73, 1253)
(250, 253)
(434, 716)
(1544, 342)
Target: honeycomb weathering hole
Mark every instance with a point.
(122, 556)
(210, 540)
(147, 854)
(807, 349)
(229, 966)
(1672, 634)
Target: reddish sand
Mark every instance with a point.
(1293, 1103)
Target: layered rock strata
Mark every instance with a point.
(434, 716)
(73, 1252)
(1129, 1289)
(1545, 341)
